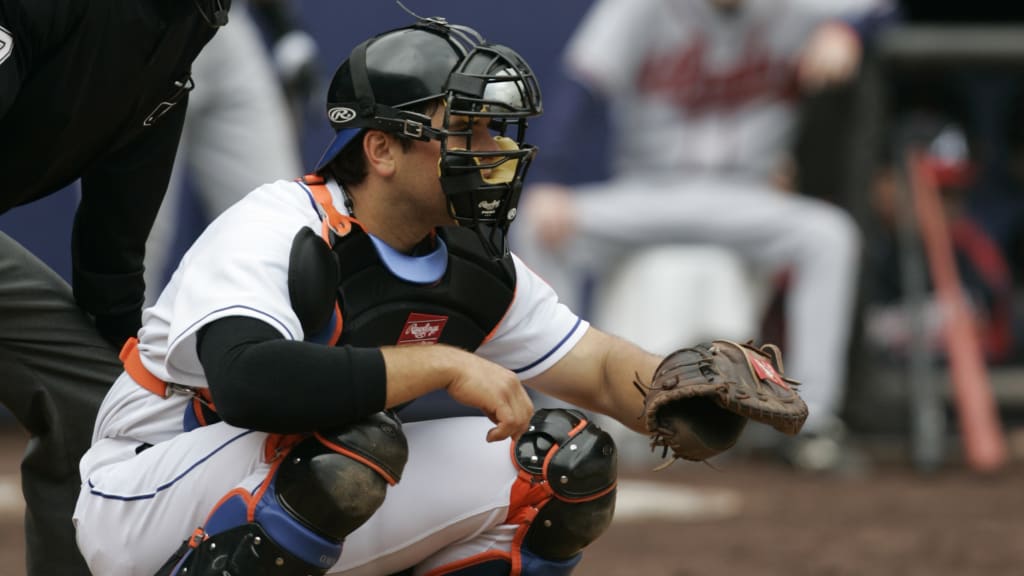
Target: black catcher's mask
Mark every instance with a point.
(386, 78)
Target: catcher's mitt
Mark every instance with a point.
(700, 398)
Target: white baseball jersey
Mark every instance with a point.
(135, 509)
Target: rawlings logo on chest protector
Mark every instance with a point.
(422, 329)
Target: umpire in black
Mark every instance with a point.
(90, 90)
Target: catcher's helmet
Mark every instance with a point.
(386, 77)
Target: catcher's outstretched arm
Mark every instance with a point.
(598, 374)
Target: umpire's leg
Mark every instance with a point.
(56, 370)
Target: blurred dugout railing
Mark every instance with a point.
(924, 388)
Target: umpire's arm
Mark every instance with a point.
(121, 195)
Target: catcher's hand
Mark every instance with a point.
(700, 398)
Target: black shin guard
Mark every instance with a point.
(336, 481)
(327, 486)
(577, 461)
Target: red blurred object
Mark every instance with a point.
(949, 174)
(948, 160)
(978, 248)
(983, 441)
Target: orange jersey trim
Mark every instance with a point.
(340, 223)
(495, 329)
(133, 366)
(143, 377)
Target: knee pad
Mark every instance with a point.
(324, 488)
(335, 481)
(568, 469)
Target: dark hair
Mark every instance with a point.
(349, 166)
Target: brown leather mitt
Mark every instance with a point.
(700, 398)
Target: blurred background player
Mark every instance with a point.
(93, 91)
(701, 102)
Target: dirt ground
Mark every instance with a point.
(888, 521)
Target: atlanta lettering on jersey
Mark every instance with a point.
(684, 78)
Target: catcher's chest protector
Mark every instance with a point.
(460, 309)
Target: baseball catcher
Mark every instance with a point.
(262, 420)
(700, 398)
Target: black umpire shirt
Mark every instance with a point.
(83, 84)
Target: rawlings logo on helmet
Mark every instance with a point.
(6, 44)
(341, 114)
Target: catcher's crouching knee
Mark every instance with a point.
(327, 486)
(568, 470)
(336, 481)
